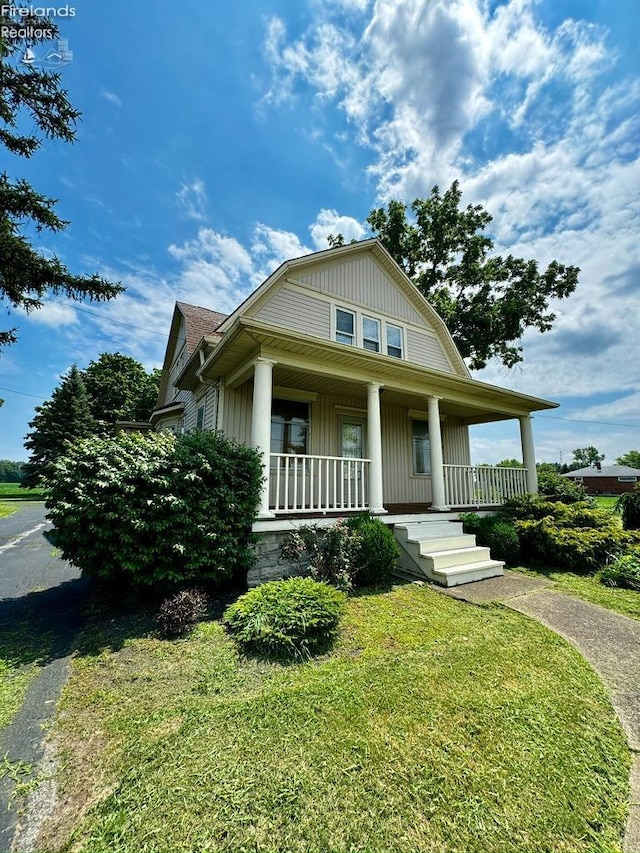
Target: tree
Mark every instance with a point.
(120, 388)
(64, 418)
(630, 458)
(584, 457)
(486, 301)
(35, 96)
(509, 463)
(10, 471)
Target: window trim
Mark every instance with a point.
(628, 479)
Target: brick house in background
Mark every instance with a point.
(605, 479)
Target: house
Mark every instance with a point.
(605, 479)
(347, 381)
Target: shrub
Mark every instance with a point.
(577, 549)
(156, 510)
(495, 533)
(377, 550)
(628, 505)
(359, 551)
(623, 572)
(553, 486)
(178, 614)
(293, 618)
(536, 507)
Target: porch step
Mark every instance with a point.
(440, 552)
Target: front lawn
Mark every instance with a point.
(432, 726)
(5, 510)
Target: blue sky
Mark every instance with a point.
(219, 139)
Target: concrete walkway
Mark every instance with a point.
(609, 641)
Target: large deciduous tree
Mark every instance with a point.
(630, 458)
(487, 301)
(583, 457)
(120, 389)
(33, 98)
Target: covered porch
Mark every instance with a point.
(343, 431)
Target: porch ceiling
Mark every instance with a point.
(325, 367)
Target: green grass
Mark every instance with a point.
(16, 492)
(22, 652)
(588, 587)
(5, 510)
(605, 502)
(431, 726)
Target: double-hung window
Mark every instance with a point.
(345, 327)
(289, 426)
(371, 334)
(394, 341)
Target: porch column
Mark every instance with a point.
(261, 424)
(528, 453)
(374, 441)
(438, 498)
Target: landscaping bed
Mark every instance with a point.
(430, 726)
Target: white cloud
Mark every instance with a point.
(55, 314)
(111, 97)
(192, 199)
(330, 222)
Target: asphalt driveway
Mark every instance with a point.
(42, 597)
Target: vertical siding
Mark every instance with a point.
(455, 441)
(426, 350)
(365, 282)
(236, 419)
(300, 312)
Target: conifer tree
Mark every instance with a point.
(65, 417)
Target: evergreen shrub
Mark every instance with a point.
(289, 619)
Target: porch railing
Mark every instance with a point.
(480, 485)
(300, 483)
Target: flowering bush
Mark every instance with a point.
(155, 510)
(353, 552)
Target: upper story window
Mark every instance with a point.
(394, 341)
(371, 334)
(345, 327)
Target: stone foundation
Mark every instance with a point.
(269, 566)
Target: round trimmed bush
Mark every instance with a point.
(292, 618)
(377, 551)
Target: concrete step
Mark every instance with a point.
(449, 543)
(456, 575)
(418, 531)
(437, 561)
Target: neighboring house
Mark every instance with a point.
(605, 479)
(339, 371)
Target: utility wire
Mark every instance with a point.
(596, 423)
(109, 319)
(24, 393)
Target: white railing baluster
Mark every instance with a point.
(318, 483)
(482, 485)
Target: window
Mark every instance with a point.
(371, 334)
(345, 327)
(421, 453)
(394, 341)
(627, 479)
(200, 417)
(289, 426)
